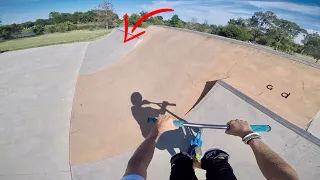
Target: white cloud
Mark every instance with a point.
(312, 31)
(287, 6)
(300, 37)
(220, 11)
(217, 14)
(172, 3)
(165, 4)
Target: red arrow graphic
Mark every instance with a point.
(126, 26)
(126, 23)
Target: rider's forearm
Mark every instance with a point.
(141, 158)
(270, 163)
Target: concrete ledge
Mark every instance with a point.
(306, 134)
(129, 31)
(314, 127)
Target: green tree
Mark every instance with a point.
(205, 27)
(16, 28)
(133, 19)
(282, 35)
(180, 24)
(193, 25)
(262, 20)
(56, 17)
(145, 24)
(214, 29)
(41, 22)
(235, 32)
(142, 13)
(286, 30)
(259, 23)
(86, 17)
(105, 14)
(53, 15)
(64, 27)
(175, 21)
(76, 17)
(311, 43)
(238, 22)
(267, 29)
(158, 20)
(51, 28)
(38, 30)
(28, 24)
(6, 32)
(160, 17)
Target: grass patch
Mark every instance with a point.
(52, 39)
(305, 57)
(26, 30)
(308, 58)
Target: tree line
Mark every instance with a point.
(102, 16)
(263, 28)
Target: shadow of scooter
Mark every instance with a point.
(179, 138)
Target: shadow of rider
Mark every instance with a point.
(179, 138)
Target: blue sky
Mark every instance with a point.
(306, 13)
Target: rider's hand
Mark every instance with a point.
(239, 128)
(164, 123)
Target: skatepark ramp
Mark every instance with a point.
(171, 66)
(218, 106)
(105, 52)
(174, 65)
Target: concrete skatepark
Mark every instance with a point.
(76, 111)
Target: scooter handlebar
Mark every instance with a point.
(255, 128)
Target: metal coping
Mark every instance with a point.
(289, 125)
(259, 47)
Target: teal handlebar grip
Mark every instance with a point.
(176, 123)
(260, 128)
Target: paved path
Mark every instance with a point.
(36, 91)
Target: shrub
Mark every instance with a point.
(66, 26)
(61, 28)
(91, 29)
(71, 26)
(144, 25)
(236, 32)
(91, 25)
(119, 22)
(38, 30)
(51, 28)
(5, 32)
